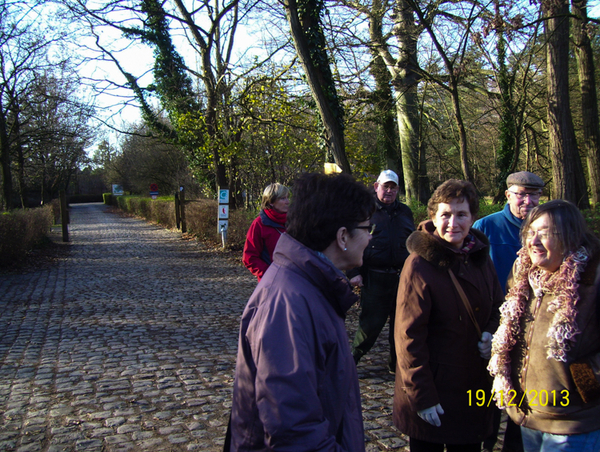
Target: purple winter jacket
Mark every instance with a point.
(296, 386)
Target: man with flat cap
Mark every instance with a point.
(502, 229)
(383, 259)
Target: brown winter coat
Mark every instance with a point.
(436, 341)
(552, 403)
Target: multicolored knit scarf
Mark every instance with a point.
(563, 285)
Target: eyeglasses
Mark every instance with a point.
(543, 234)
(522, 195)
(370, 228)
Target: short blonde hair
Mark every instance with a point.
(272, 193)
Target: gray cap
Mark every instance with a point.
(524, 179)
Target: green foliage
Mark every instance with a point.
(108, 199)
(592, 218)
(487, 207)
(21, 231)
(278, 138)
(419, 211)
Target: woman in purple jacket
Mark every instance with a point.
(296, 386)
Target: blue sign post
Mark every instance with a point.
(223, 216)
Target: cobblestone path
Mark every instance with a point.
(129, 343)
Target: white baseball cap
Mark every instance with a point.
(387, 176)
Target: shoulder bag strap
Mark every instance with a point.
(461, 292)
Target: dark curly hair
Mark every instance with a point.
(324, 203)
(454, 189)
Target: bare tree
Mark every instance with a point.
(27, 71)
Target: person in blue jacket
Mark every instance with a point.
(503, 231)
(502, 228)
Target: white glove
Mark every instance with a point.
(485, 345)
(431, 415)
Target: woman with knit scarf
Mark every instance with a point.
(266, 229)
(546, 349)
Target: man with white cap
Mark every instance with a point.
(382, 263)
(502, 229)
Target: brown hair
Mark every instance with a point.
(454, 189)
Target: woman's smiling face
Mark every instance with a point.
(453, 221)
(543, 247)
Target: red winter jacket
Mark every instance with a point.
(261, 239)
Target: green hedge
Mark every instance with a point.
(107, 198)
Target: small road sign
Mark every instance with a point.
(223, 212)
(223, 196)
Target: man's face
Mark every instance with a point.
(522, 200)
(387, 192)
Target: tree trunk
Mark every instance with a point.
(408, 126)
(589, 96)
(312, 54)
(7, 188)
(388, 146)
(406, 79)
(567, 171)
(462, 133)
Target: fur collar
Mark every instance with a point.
(433, 249)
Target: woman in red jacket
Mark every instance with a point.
(266, 229)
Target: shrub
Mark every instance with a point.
(21, 231)
(486, 208)
(419, 212)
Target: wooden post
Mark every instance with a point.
(182, 207)
(64, 216)
(177, 215)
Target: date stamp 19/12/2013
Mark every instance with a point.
(531, 397)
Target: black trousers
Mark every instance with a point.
(378, 303)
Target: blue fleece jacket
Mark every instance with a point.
(502, 229)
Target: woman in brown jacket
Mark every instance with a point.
(547, 348)
(442, 385)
